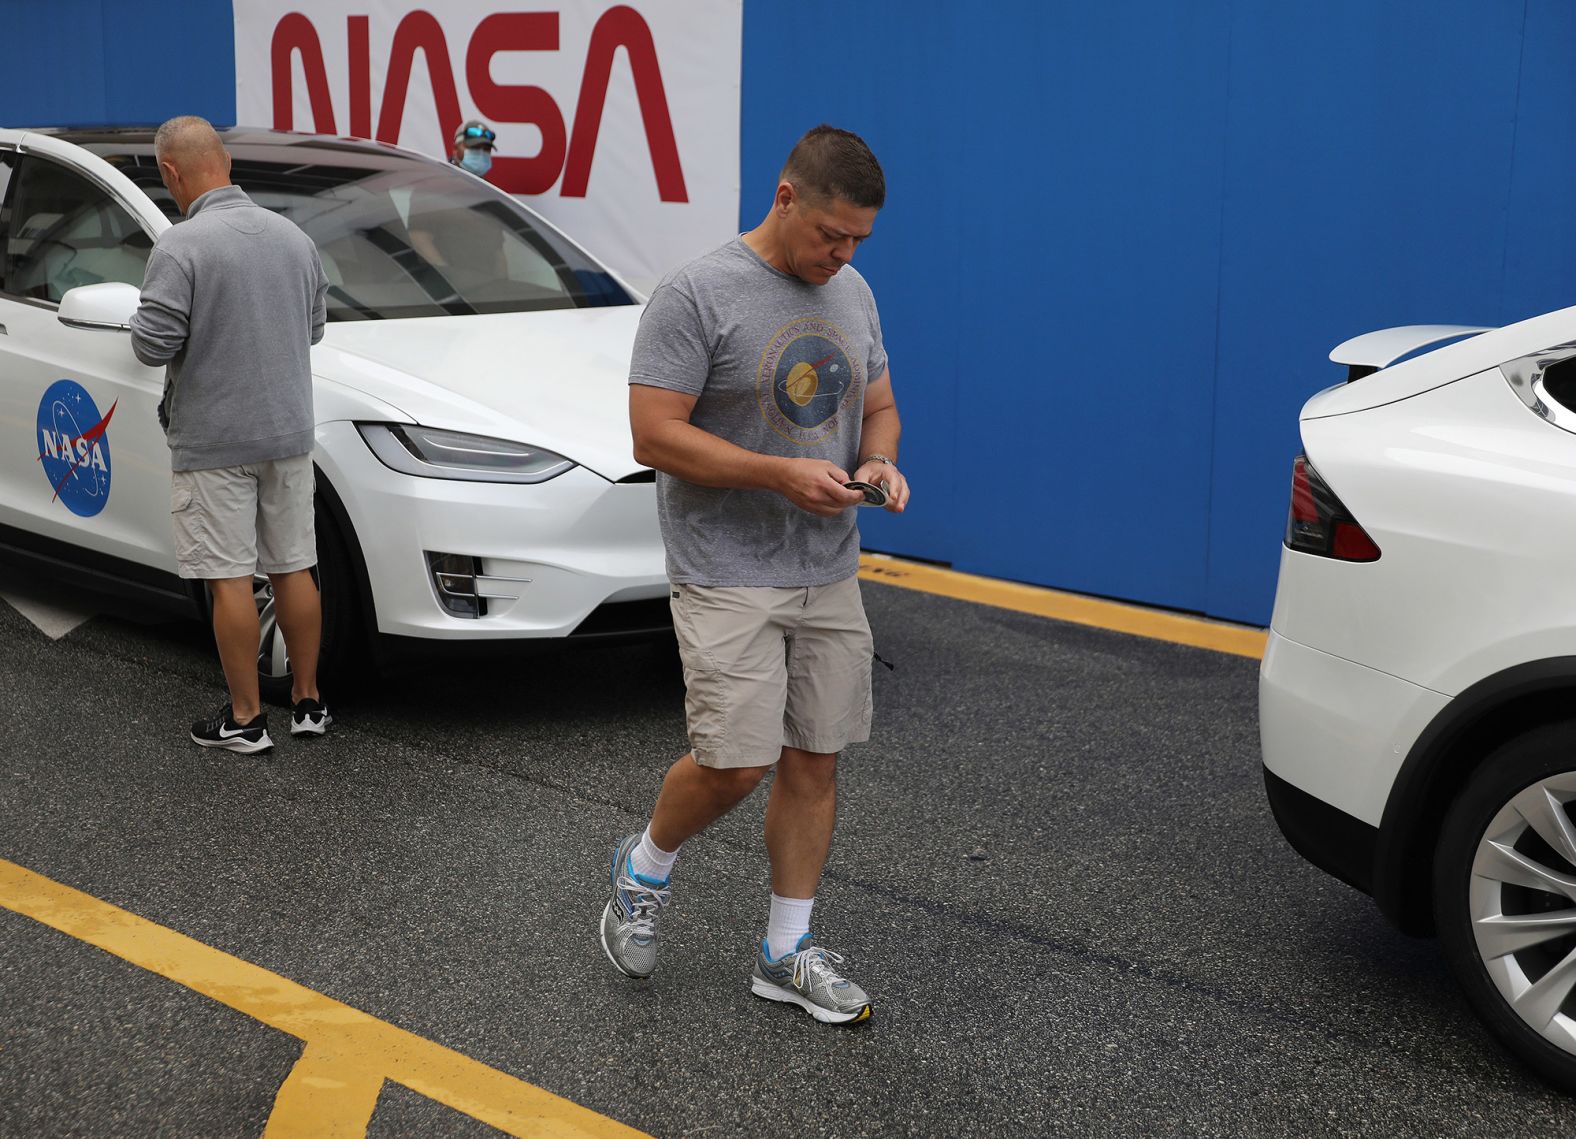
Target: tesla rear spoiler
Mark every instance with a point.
(1363, 355)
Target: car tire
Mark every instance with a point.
(343, 656)
(1505, 897)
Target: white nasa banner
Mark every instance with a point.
(617, 122)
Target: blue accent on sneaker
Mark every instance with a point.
(808, 978)
(629, 921)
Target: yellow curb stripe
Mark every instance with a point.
(348, 1048)
(324, 1097)
(1200, 632)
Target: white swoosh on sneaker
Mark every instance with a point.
(226, 734)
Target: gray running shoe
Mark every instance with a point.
(806, 978)
(629, 923)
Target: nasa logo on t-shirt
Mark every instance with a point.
(73, 447)
(807, 376)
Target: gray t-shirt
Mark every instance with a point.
(779, 367)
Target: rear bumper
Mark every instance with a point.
(1336, 730)
(1327, 837)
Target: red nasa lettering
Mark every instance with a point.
(563, 152)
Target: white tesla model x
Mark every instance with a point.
(1418, 694)
(475, 473)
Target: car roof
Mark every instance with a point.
(139, 136)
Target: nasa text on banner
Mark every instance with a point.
(618, 122)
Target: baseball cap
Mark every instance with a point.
(475, 133)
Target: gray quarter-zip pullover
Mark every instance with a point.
(232, 302)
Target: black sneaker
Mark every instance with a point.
(223, 731)
(309, 717)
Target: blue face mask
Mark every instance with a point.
(477, 160)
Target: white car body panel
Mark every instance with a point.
(1411, 473)
(37, 350)
(1382, 348)
(1335, 729)
(532, 377)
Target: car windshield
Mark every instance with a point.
(401, 236)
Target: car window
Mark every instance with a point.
(403, 237)
(7, 165)
(63, 230)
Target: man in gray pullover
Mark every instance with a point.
(232, 302)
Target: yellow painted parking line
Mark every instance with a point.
(334, 1086)
(1200, 632)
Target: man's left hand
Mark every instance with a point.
(888, 477)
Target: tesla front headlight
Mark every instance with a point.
(431, 453)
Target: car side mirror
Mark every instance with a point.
(105, 306)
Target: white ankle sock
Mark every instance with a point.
(650, 860)
(789, 922)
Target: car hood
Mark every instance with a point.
(556, 379)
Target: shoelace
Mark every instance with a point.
(808, 964)
(644, 902)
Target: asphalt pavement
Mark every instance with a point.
(1055, 873)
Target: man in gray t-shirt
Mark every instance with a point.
(759, 382)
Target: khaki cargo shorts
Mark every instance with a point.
(237, 521)
(767, 668)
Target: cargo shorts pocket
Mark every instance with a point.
(185, 517)
(706, 688)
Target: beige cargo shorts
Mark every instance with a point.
(767, 668)
(237, 521)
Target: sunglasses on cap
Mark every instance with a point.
(480, 132)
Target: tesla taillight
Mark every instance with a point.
(1319, 524)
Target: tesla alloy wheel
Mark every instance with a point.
(342, 655)
(1505, 897)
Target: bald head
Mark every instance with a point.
(191, 157)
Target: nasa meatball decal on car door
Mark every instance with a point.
(73, 447)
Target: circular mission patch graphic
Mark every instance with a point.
(807, 376)
(73, 447)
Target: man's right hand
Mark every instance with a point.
(816, 486)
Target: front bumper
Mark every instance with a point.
(568, 547)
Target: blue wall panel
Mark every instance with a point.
(1540, 230)
(1121, 237)
(917, 253)
(1089, 327)
(1368, 165)
(1046, 268)
(116, 61)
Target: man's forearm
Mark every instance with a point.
(157, 335)
(879, 433)
(694, 455)
(162, 321)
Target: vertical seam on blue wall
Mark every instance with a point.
(104, 40)
(1220, 290)
(1510, 168)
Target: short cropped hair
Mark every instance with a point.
(832, 163)
(172, 131)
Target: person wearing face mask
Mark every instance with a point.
(473, 147)
(445, 230)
